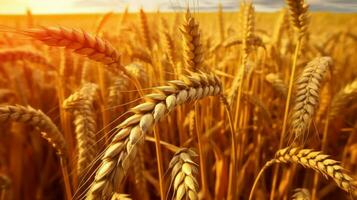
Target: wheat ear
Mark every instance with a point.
(314, 160)
(307, 96)
(81, 42)
(81, 104)
(342, 99)
(118, 85)
(183, 175)
(38, 119)
(301, 194)
(5, 182)
(277, 84)
(102, 21)
(299, 16)
(247, 25)
(169, 43)
(12, 55)
(121, 152)
(145, 32)
(192, 46)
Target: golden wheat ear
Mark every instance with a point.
(299, 16)
(12, 55)
(192, 46)
(307, 96)
(80, 42)
(80, 104)
(183, 175)
(314, 160)
(121, 152)
(340, 101)
(36, 118)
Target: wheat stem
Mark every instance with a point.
(205, 191)
(159, 163)
(286, 113)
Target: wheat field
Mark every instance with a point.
(181, 105)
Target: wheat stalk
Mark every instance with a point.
(307, 95)
(183, 175)
(121, 152)
(221, 22)
(81, 105)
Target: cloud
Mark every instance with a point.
(268, 5)
(211, 5)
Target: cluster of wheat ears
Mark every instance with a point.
(162, 110)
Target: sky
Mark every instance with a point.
(102, 6)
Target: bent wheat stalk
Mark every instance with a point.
(314, 160)
(121, 152)
(82, 43)
(183, 175)
(49, 132)
(38, 119)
